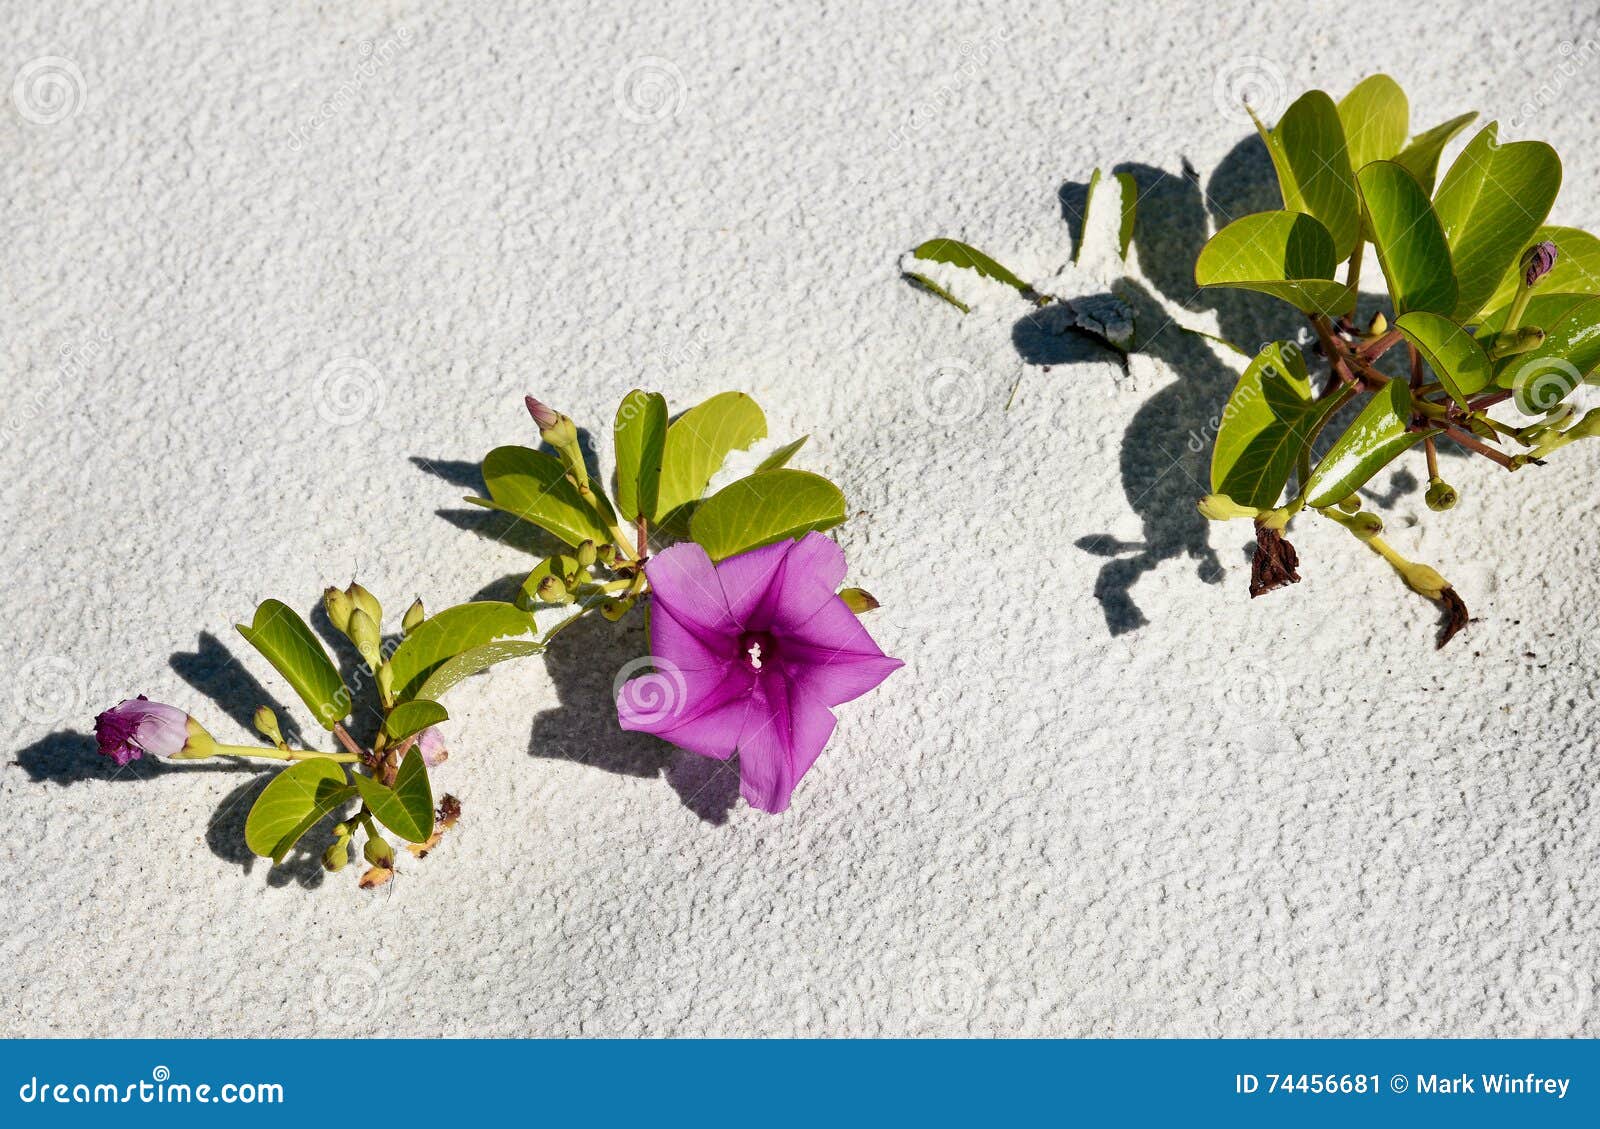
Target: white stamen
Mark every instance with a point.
(755, 655)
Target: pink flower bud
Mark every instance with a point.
(1538, 261)
(430, 743)
(543, 415)
(137, 726)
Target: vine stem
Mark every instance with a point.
(283, 754)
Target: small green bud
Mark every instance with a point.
(1365, 524)
(366, 601)
(414, 617)
(552, 590)
(339, 606)
(1351, 504)
(1523, 340)
(1441, 495)
(337, 856)
(587, 555)
(266, 723)
(1378, 326)
(614, 609)
(1588, 427)
(1423, 580)
(1220, 507)
(364, 634)
(378, 852)
(859, 600)
(341, 831)
(386, 683)
(606, 554)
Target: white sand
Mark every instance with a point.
(1286, 816)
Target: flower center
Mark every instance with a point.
(758, 649)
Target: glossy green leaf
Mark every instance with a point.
(1577, 270)
(445, 635)
(698, 442)
(1308, 151)
(1269, 417)
(764, 508)
(1110, 207)
(1455, 357)
(413, 717)
(1421, 156)
(407, 808)
(781, 456)
(534, 486)
(958, 254)
(293, 803)
(1374, 439)
(1543, 377)
(1376, 117)
(640, 436)
(1286, 254)
(470, 662)
(1408, 239)
(282, 636)
(1490, 203)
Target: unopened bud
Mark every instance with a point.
(366, 601)
(543, 414)
(266, 723)
(1365, 525)
(337, 856)
(1538, 261)
(1441, 495)
(338, 605)
(587, 554)
(1220, 507)
(378, 852)
(615, 609)
(858, 600)
(606, 554)
(413, 617)
(1379, 325)
(552, 590)
(1350, 504)
(1522, 340)
(364, 634)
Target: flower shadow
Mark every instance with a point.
(584, 663)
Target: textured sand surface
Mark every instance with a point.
(273, 284)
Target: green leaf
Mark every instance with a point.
(1490, 203)
(1269, 417)
(407, 808)
(443, 636)
(282, 636)
(293, 803)
(698, 442)
(958, 254)
(1096, 228)
(1543, 377)
(413, 717)
(1286, 254)
(1308, 150)
(641, 435)
(1376, 117)
(470, 662)
(1421, 157)
(1577, 270)
(1408, 238)
(936, 290)
(781, 456)
(534, 486)
(1454, 355)
(1376, 437)
(763, 509)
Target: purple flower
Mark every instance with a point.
(430, 743)
(1538, 261)
(137, 726)
(749, 655)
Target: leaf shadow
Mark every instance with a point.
(583, 727)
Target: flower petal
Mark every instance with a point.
(784, 733)
(684, 580)
(836, 677)
(747, 578)
(811, 573)
(699, 710)
(671, 639)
